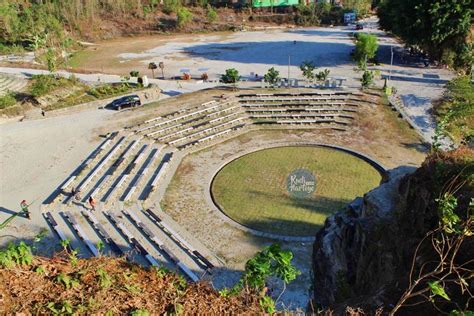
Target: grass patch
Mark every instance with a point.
(7, 100)
(252, 189)
(457, 109)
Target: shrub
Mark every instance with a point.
(44, 84)
(367, 79)
(7, 100)
(184, 16)
(170, 6)
(231, 76)
(272, 76)
(134, 73)
(211, 14)
(366, 48)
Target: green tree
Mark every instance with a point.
(322, 75)
(307, 67)
(366, 49)
(211, 14)
(272, 76)
(231, 76)
(184, 16)
(439, 27)
(367, 79)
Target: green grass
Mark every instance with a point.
(252, 189)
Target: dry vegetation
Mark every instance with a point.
(95, 286)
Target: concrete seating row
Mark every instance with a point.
(178, 238)
(101, 164)
(143, 171)
(298, 116)
(161, 246)
(97, 226)
(131, 239)
(48, 216)
(207, 130)
(80, 232)
(211, 137)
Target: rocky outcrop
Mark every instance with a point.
(349, 237)
(363, 254)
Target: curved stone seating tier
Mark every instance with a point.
(210, 137)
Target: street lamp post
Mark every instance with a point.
(289, 60)
(391, 63)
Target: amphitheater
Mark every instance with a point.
(129, 173)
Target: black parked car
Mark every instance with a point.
(129, 101)
(359, 26)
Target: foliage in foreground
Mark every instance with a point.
(7, 100)
(70, 285)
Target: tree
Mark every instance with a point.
(50, 60)
(211, 13)
(322, 75)
(231, 76)
(134, 73)
(439, 27)
(184, 16)
(152, 66)
(367, 79)
(307, 67)
(272, 76)
(366, 48)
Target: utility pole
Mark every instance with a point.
(289, 62)
(391, 63)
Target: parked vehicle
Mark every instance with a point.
(129, 101)
(359, 26)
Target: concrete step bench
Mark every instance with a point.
(143, 172)
(161, 246)
(80, 232)
(103, 233)
(80, 169)
(178, 238)
(210, 137)
(48, 216)
(204, 131)
(131, 239)
(104, 160)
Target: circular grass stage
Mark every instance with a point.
(291, 190)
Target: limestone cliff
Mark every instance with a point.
(362, 255)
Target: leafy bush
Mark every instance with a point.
(7, 100)
(44, 84)
(322, 75)
(367, 79)
(211, 13)
(134, 73)
(456, 111)
(272, 76)
(231, 76)
(366, 48)
(184, 16)
(19, 254)
(171, 6)
(108, 90)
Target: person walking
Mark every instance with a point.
(92, 203)
(24, 209)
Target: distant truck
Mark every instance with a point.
(349, 18)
